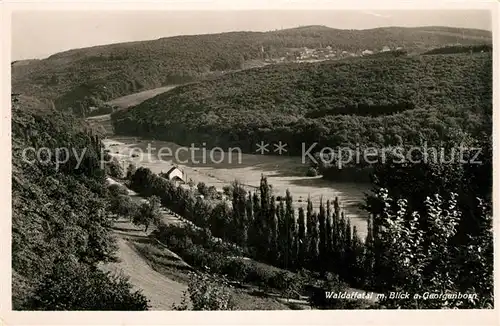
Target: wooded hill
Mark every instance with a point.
(81, 78)
(60, 224)
(381, 102)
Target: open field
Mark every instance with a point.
(136, 98)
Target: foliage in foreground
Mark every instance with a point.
(73, 286)
(60, 224)
(418, 261)
(206, 292)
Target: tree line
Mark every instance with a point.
(322, 240)
(78, 78)
(372, 102)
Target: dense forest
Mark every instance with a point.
(60, 224)
(83, 78)
(372, 102)
(461, 49)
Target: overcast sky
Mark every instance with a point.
(40, 34)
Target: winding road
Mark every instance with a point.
(161, 291)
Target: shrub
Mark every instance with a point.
(202, 189)
(74, 286)
(259, 275)
(312, 172)
(281, 280)
(115, 190)
(236, 269)
(113, 167)
(124, 206)
(206, 293)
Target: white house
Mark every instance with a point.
(385, 48)
(367, 52)
(174, 174)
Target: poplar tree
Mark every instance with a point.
(282, 233)
(258, 237)
(329, 234)
(336, 234)
(272, 231)
(302, 241)
(290, 227)
(322, 236)
(368, 254)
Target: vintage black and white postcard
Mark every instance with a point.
(294, 162)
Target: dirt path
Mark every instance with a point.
(159, 289)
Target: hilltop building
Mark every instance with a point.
(174, 174)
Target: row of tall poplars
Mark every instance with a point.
(407, 248)
(270, 230)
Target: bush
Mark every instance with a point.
(206, 293)
(312, 172)
(236, 269)
(116, 190)
(124, 206)
(281, 280)
(259, 276)
(113, 167)
(74, 286)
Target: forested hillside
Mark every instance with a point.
(82, 78)
(381, 102)
(59, 216)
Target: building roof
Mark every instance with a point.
(171, 170)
